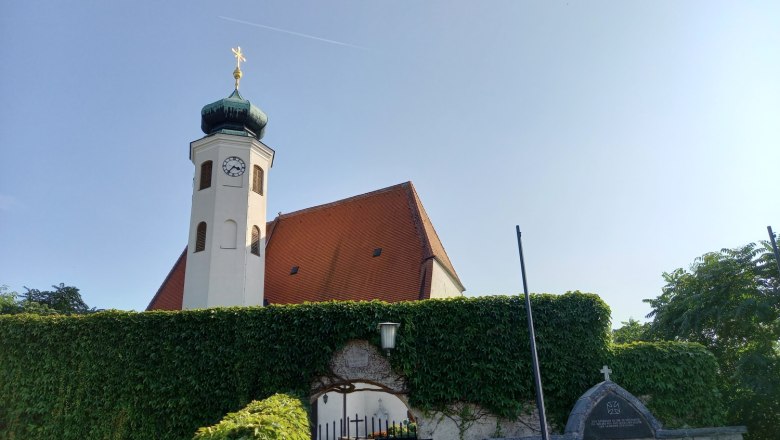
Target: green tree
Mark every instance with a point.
(729, 301)
(8, 301)
(63, 300)
(632, 331)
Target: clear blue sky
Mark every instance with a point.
(626, 138)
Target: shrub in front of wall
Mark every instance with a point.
(278, 417)
(677, 380)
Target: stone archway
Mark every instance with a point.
(361, 394)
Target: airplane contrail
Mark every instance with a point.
(294, 33)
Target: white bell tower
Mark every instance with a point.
(226, 247)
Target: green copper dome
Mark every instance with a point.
(233, 115)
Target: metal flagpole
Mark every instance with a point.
(532, 337)
(774, 246)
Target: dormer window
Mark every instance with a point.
(294, 270)
(205, 175)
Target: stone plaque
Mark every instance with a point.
(356, 357)
(615, 418)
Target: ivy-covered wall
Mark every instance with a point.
(678, 380)
(122, 375)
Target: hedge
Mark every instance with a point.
(127, 375)
(678, 380)
(280, 416)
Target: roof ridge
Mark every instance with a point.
(421, 215)
(346, 200)
(417, 210)
(272, 226)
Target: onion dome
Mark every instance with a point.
(233, 115)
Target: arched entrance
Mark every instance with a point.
(361, 397)
(361, 410)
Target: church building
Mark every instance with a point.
(378, 245)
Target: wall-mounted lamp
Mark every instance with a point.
(387, 331)
(325, 398)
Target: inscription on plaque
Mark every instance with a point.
(615, 418)
(356, 358)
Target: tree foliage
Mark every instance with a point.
(729, 301)
(63, 299)
(632, 331)
(8, 301)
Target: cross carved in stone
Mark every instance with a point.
(606, 372)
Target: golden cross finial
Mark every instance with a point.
(239, 57)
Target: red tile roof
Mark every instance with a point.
(169, 295)
(333, 244)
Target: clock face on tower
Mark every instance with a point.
(233, 166)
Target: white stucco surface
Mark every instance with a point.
(225, 275)
(442, 284)
(381, 406)
(480, 425)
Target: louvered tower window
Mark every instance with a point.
(200, 239)
(257, 180)
(205, 175)
(256, 240)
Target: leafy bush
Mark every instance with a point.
(277, 417)
(679, 379)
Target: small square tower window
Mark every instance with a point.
(205, 175)
(257, 180)
(200, 237)
(255, 247)
(377, 252)
(294, 270)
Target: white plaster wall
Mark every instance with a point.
(255, 269)
(196, 278)
(440, 426)
(442, 284)
(362, 403)
(226, 271)
(225, 276)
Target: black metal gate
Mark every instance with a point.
(365, 428)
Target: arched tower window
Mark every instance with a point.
(229, 232)
(257, 180)
(255, 240)
(205, 175)
(200, 239)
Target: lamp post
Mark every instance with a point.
(387, 331)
